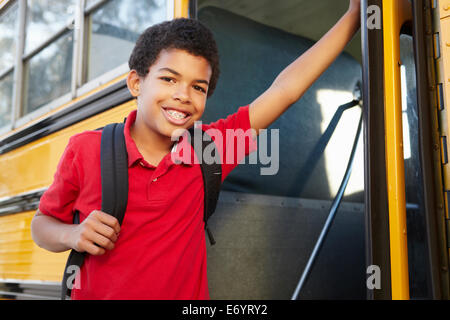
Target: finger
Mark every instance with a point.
(102, 241)
(105, 231)
(93, 249)
(109, 220)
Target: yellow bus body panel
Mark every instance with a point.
(21, 258)
(444, 8)
(443, 71)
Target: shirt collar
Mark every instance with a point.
(134, 155)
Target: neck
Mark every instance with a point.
(149, 143)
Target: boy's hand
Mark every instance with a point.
(98, 232)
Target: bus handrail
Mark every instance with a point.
(333, 209)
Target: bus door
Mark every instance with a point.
(404, 193)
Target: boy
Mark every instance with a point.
(159, 251)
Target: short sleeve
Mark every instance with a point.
(59, 199)
(233, 138)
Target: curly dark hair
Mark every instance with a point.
(181, 33)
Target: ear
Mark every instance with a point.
(133, 83)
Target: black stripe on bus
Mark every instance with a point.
(21, 203)
(96, 103)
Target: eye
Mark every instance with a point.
(198, 88)
(167, 79)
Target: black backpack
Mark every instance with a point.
(114, 175)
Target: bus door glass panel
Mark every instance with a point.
(415, 213)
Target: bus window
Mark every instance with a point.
(115, 27)
(44, 19)
(8, 26)
(52, 52)
(48, 73)
(48, 49)
(6, 85)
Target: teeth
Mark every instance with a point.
(176, 114)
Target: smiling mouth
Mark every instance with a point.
(176, 116)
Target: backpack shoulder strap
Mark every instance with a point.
(114, 173)
(212, 176)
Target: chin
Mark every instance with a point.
(173, 132)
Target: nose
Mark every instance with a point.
(181, 93)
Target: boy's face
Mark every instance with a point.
(173, 94)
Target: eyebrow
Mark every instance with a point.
(178, 74)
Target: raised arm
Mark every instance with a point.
(297, 77)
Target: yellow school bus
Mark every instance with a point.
(63, 66)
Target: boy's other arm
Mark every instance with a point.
(96, 234)
(296, 78)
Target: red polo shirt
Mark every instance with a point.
(161, 250)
